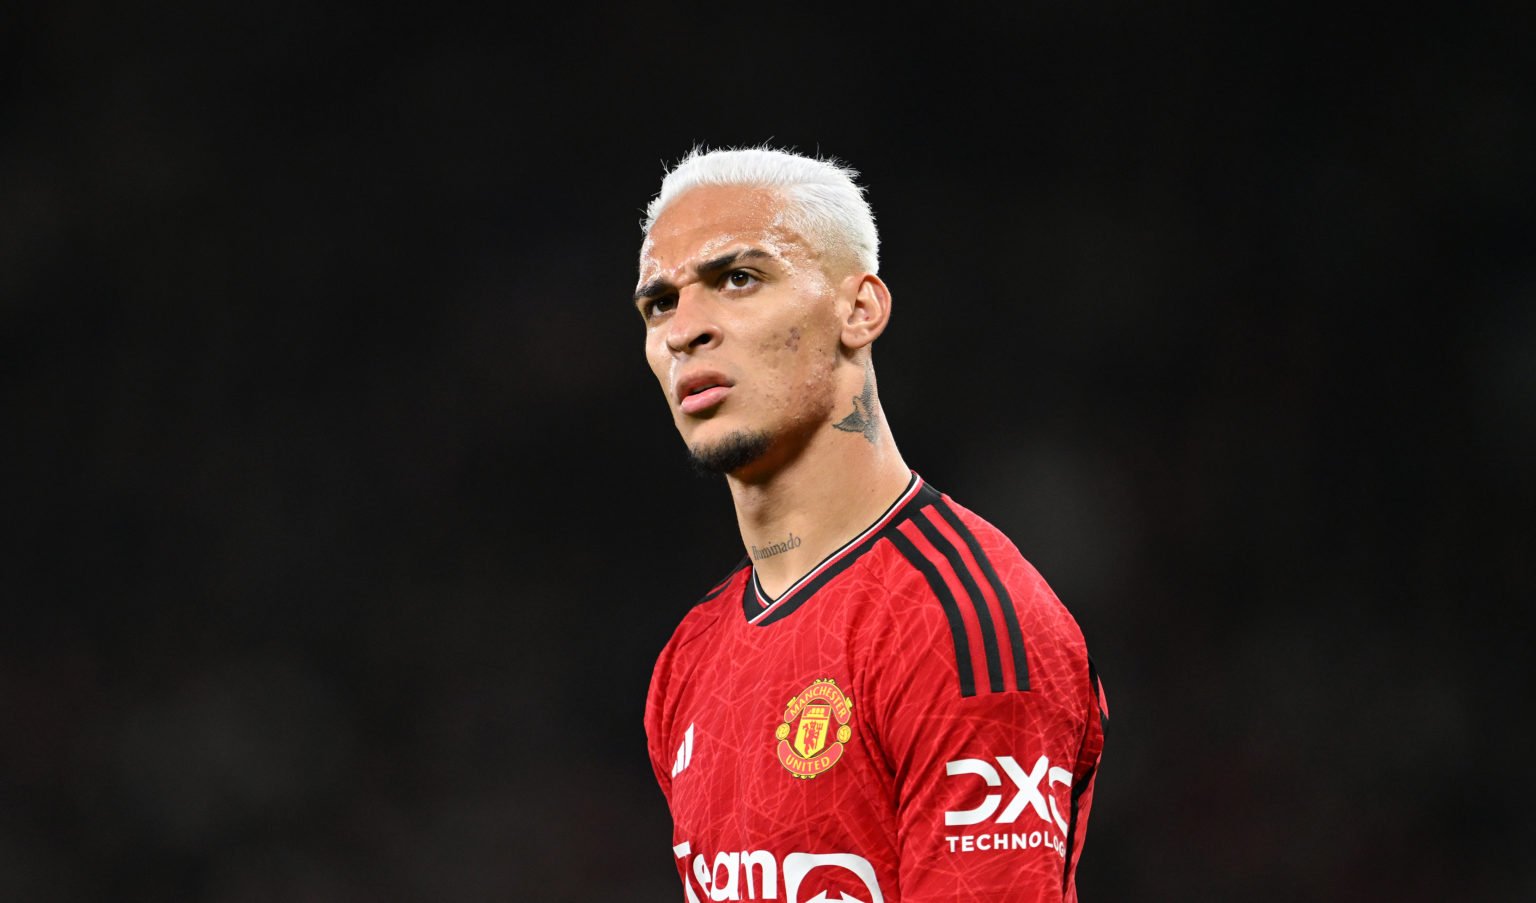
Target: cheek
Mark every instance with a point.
(797, 352)
(658, 360)
(803, 361)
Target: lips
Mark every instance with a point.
(702, 391)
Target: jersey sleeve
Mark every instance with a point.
(987, 715)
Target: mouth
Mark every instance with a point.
(701, 392)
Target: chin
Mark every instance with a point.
(733, 452)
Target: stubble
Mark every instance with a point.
(730, 454)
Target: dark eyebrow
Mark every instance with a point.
(726, 261)
(708, 268)
(651, 289)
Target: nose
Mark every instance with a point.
(693, 324)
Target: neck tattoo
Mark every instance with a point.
(862, 420)
(778, 548)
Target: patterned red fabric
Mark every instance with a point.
(872, 742)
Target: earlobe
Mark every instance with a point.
(869, 313)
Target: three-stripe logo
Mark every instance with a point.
(944, 550)
(684, 753)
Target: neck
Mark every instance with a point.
(835, 487)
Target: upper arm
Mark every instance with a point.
(988, 779)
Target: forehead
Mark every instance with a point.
(711, 220)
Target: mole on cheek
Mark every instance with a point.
(793, 342)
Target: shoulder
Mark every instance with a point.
(973, 544)
(1051, 634)
(680, 655)
(958, 583)
(707, 611)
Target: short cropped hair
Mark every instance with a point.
(823, 198)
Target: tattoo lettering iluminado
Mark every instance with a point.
(862, 420)
(778, 548)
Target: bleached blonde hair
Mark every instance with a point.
(823, 198)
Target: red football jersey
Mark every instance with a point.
(916, 719)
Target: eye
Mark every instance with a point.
(739, 279)
(655, 307)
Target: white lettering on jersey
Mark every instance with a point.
(796, 865)
(1028, 794)
(988, 805)
(754, 875)
(684, 753)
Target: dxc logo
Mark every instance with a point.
(1028, 785)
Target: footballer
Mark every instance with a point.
(883, 701)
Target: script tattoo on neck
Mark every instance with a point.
(777, 548)
(863, 418)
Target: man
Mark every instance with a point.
(883, 701)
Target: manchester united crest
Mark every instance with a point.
(815, 729)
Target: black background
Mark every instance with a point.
(347, 520)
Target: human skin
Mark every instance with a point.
(753, 328)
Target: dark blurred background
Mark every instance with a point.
(347, 521)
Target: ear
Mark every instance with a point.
(869, 313)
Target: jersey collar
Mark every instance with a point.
(761, 610)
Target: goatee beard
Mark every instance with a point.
(729, 454)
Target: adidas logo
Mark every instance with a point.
(684, 753)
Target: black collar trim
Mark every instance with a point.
(760, 610)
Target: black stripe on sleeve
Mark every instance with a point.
(1097, 686)
(1015, 635)
(1078, 789)
(947, 600)
(1081, 787)
(978, 601)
